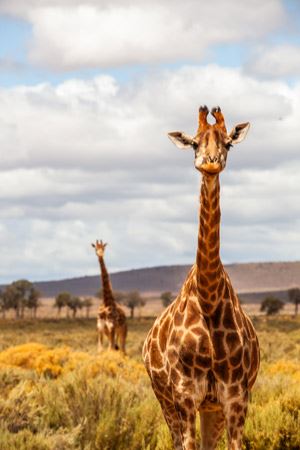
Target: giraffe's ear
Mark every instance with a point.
(93, 245)
(181, 140)
(238, 133)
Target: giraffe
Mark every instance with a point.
(202, 353)
(111, 319)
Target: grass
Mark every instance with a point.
(58, 394)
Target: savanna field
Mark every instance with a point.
(58, 394)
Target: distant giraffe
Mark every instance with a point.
(111, 317)
(202, 353)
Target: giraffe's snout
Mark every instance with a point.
(209, 164)
(212, 159)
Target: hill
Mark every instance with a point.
(250, 280)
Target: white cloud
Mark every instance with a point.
(71, 35)
(91, 159)
(276, 61)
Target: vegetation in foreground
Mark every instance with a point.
(58, 394)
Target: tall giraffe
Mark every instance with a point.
(111, 319)
(202, 353)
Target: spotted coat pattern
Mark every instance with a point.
(202, 353)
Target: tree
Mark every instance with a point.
(132, 300)
(33, 302)
(87, 303)
(74, 304)
(271, 305)
(3, 304)
(62, 300)
(166, 298)
(294, 297)
(119, 296)
(19, 294)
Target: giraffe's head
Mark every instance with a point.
(211, 143)
(99, 247)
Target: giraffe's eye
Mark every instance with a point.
(228, 146)
(195, 145)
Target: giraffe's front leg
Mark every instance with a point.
(100, 330)
(100, 341)
(235, 415)
(187, 416)
(212, 426)
(112, 338)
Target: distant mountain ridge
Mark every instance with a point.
(247, 278)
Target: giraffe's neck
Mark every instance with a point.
(208, 261)
(108, 298)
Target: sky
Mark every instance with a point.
(89, 91)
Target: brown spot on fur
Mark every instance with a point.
(190, 342)
(246, 358)
(197, 330)
(213, 265)
(203, 293)
(233, 391)
(176, 338)
(236, 407)
(237, 357)
(244, 382)
(172, 355)
(178, 319)
(182, 412)
(163, 334)
(202, 244)
(238, 320)
(220, 288)
(213, 287)
(215, 218)
(213, 297)
(233, 341)
(187, 370)
(226, 292)
(214, 253)
(154, 332)
(204, 263)
(192, 314)
(218, 338)
(203, 361)
(237, 374)
(241, 421)
(198, 372)
(175, 377)
(215, 201)
(204, 344)
(215, 317)
(189, 403)
(206, 307)
(186, 356)
(221, 371)
(228, 318)
(155, 356)
(203, 280)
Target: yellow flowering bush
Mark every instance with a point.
(54, 362)
(285, 367)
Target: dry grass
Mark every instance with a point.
(58, 394)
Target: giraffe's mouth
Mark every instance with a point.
(209, 167)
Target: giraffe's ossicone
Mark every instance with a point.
(202, 353)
